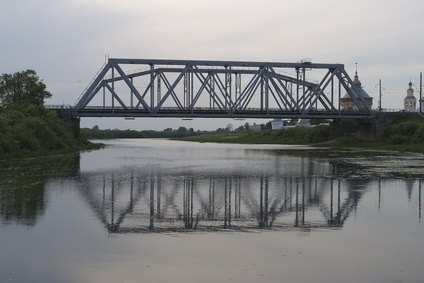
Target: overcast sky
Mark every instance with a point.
(66, 41)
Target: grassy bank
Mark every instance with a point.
(29, 131)
(404, 135)
(284, 136)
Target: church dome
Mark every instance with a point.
(410, 91)
(348, 103)
(357, 87)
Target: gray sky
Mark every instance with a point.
(66, 41)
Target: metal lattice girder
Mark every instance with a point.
(192, 88)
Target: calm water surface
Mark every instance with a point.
(169, 211)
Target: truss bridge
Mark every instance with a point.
(219, 89)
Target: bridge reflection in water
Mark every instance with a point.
(132, 202)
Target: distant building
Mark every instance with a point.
(255, 128)
(303, 123)
(410, 102)
(277, 124)
(347, 103)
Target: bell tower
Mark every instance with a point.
(410, 102)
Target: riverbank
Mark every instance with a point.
(28, 131)
(83, 146)
(269, 137)
(405, 135)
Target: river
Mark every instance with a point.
(153, 210)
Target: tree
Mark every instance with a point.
(240, 129)
(246, 126)
(268, 125)
(229, 128)
(182, 130)
(22, 88)
(220, 130)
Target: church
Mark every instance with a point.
(410, 102)
(347, 103)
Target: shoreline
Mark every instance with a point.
(274, 137)
(87, 146)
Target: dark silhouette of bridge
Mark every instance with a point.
(133, 202)
(220, 89)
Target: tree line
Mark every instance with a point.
(26, 127)
(96, 133)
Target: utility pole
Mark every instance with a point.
(379, 93)
(421, 92)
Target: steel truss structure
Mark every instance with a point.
(222, 89)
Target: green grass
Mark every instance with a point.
(241, 137)
(405, 135)
(285, 136)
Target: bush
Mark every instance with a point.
(13, 116)
(398, 139)
(418, 136)
(407, 128)
(28, 128)
(319, 134)
(25, 137)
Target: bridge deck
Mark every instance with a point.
(253, 113)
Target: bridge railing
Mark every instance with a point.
(58, 106)
(391, 110)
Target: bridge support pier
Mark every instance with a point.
(364, 129)
(67, 115)
(75, 124)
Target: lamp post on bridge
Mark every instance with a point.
(379, 109)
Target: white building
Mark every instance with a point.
(255, 128)
(303, 123)
(410, 102)
(277, 124)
